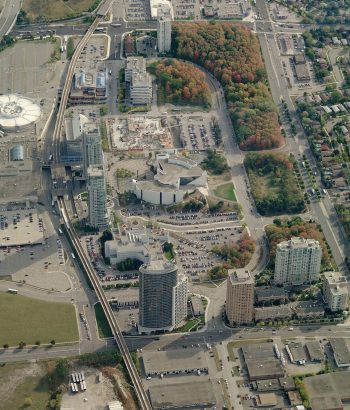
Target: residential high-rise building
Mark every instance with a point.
(297, 261)
(96, 187)
(162, 297)
(335, 291)
(92, 146)
(239, 297)
(164, 19)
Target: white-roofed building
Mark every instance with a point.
(17, 112)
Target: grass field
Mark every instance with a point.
(30, 320)
(226, 191)
(27, 382)
(56, 9)
(104, 329)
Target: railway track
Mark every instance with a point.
(117, 334)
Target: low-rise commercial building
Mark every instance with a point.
(335, 291)
(315, 351)
(272, 313)
(89, 85)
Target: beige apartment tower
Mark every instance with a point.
(239, 297)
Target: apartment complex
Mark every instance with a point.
(162, 297)
(164, 19)
(239, 297)
(335, 291)
(297, 261)
(92, 146)
(96, 186)
(89, 85)
(140, 82)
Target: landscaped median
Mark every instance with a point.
(29, 321)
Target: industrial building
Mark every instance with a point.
(174, 361)
(239, 297)
(139, 81)
(261, 362)
(341, 351)
(175, 176)
(17, 112)
(89, 85)
(335, 291)
(298, 261)
(164, 20)
(96, 187)
(163, 297)
(329, 391)
(196, 395)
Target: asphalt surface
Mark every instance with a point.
(8, 16)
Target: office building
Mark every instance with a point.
(239, 297)
(297, 261)
(141, 89)
(96, 187)
(72, 146)
(164, 20)
(335, 291)
(92, 146)
(139, 81)
(162, 297)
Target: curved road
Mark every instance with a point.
(8, 16)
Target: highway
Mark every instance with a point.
(8, 16)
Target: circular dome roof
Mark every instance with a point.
(17, 111)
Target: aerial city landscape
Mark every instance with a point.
(174, 204)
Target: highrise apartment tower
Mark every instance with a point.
(297, 261)
(239, 297)
(164, 19)
(163, 297)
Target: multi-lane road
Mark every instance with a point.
(8, 16)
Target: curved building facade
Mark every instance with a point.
(17, 112)
(163, 297)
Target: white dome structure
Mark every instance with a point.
(17, 112)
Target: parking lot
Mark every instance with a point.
(186, 9)
(196, 133)
(96, 49)
(137, 10)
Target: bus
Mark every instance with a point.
(60, 231)
(73, 256)
(50, 157)
(116, 25)
(14, 291)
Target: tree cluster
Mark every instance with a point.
(232, 54)
(181, 83)
(273, 184)
(214, 163)
(129, 264)
(236, 255)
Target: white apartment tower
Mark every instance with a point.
(335, 291)
(164, 19)
(297, 261)
(96, 186)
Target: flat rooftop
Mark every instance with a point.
(173, 360)
(341, 351)
(315, 351)
(20, 227)
(327, 391)
(182, 395)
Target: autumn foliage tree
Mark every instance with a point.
(181, 82)
(231, 53)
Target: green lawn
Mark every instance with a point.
(56, 9)
(104, 329)
(30, 320)
(226, 191)
(34, 386)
